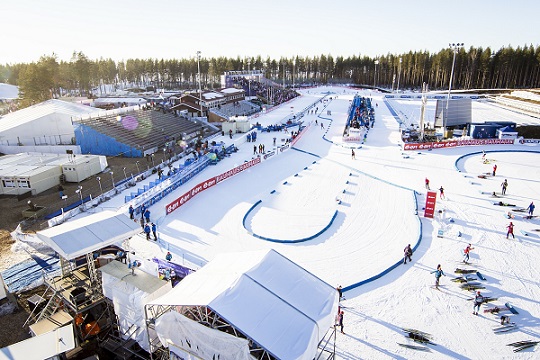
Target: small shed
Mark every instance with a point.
(81, 167)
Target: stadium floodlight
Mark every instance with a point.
(375, 73)
(398, 75)
(199, 74)
(455, 48)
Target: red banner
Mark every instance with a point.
(431, 199)
(455, 143)
(208, 184)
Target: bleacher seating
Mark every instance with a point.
(146, 129)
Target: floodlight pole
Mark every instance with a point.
(375, 73)
(199, 72)
(455, 48)
(398, 75)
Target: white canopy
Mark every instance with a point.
(80, 237)
(278, 304)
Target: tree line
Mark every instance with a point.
(475, 68)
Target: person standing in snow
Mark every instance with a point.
(478, 300)
(427, 184)
(147, 231)
(340, 320)
(441, 193)
(494, 169)
(466, 253)
(510, 231)
(340, 292)
(438, 273)
(504, 185)
(353, 154)
(407, 254)
(531, 209)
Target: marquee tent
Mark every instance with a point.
(507, 132)
(274, 302)
(80, 237)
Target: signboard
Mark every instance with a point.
(429, 209)
(456, 143)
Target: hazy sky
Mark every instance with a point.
(122, 29)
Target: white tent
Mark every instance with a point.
(507, 132)
(129, 293)
(80, 237)
(46, 123)
(276, 303)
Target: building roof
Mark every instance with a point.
(281, 306)
(231, 90)
(40, 110)
(8, 92)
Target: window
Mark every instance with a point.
(8, 183)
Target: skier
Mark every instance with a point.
(504, 185)
(483, 156)
(510, 231)
(494, 169)
(322, 125)
(353, 154)
(407, 253)
(441, 193)
(478, 300)
(466, 253)
(427, 184)
(531, 210)
(438, 273)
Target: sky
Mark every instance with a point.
(168, 29)
(376, 219)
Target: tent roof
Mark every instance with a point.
(507, 129)
(79, 237)
(278, 304)
(40, 110)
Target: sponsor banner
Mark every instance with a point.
(238, 169)
(270, 154)
(456, 143)
(299, 135)
(208, 184)
(191, 193)
(529, 141)
(351, 138)
(431, 199)
(283, 148)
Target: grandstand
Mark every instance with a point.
(136, 133)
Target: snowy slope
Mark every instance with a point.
(375, 221)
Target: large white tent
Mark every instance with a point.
(273, 301)
(82, 236)
(46, 123)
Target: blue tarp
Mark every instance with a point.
(23, 274)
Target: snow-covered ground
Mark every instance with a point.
(376, 218)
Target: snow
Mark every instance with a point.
(375, 220)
